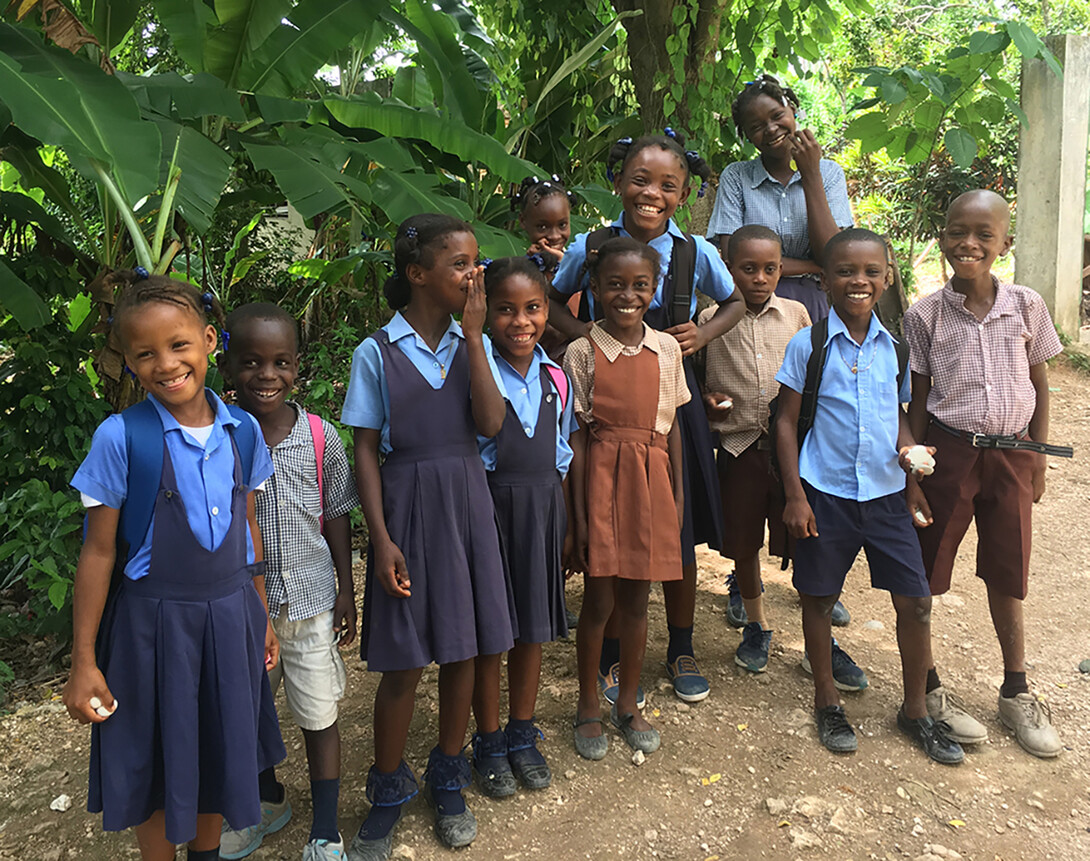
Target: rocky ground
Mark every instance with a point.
(739, 776)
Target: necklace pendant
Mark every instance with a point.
(855, 370)
(442, 371)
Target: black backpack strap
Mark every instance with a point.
(682, 270)
(902, 363)
(815, 367)
(594, 241)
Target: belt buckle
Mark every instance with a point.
(979, 440)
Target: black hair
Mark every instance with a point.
(416, 242)
(750, 232)
(854, 234)
(626, 149)
(765, 85)
(138, 288)
(251, 311)
(498, 271)
(619, 245)
(532, 190)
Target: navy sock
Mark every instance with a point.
(933, 680)
(1013, 685)
(449, 802)
(268, 787)
(324, 795)
(379, 822)
(203, 854)
(681, 642)
(611, 654)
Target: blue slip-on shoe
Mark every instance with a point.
(847, 675)
(752, 652)
(610, 686)
(690, 686)
(239, 844)
(841, 616)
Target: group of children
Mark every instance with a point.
(217, 561)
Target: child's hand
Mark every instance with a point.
(688, 337)
(83, 686)
(806, 152)
(917, 460)
(272, 647)
(476, 308)
(344, 618)
(580, 550)
(542, 246)
(1039, 470)
(392, 571)
(917, 505)
(717, 405)
(798, 516)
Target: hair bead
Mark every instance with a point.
(141, 273)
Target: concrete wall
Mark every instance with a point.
(1052, 178)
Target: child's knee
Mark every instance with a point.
(819, 605)
(632, 599)
(916, 609)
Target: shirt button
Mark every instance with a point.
(435, 364)
(762, 391)
(207, 456)
(980, 326)
(215, 510)
(785, 218)
(783, 194)
(862, 429)
(758, 355)
(988, 387)
(523, 390)
(527, 428)
(287, 575)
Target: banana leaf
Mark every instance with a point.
(19, 299)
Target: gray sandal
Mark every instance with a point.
(589, 748)
(647, 740)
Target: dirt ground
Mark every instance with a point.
(739, 776)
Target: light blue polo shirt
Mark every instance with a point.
(367, 403)
(205, 475)
(710, 275)
(851, 451)
(524, 395)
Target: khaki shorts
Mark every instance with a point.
(311, 667)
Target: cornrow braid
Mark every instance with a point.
(764, 85)
(532, 190)
(415, 242)
(139, 289)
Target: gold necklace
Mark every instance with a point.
(854, 366)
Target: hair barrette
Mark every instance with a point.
(538, 261)
(670, 133)
(206, 299)
(555, 178)
(692, 154)
(626, 141)
(141, 273)
(225, 336)
(485, 262)
(410, 233)
(703, 188)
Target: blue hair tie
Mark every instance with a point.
(206, 299)
(703, 188)
(141, 273)
(626, 141)
(410, 233)
(485, 262)
(226, 337)
(538, 261)
(670, 133)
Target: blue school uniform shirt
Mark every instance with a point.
(524, 394)
(851, 451)
(748, 194)
(367, 403)
(205, 475)
(710, 276)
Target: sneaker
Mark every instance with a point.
(841, 616)
(490, 765)
(239, 844)
(834, 730)
(1030, 718)
(962, 727)
(610, 686)
(752, 652)
(689, 683)
(931, 735)
(847, 676)
(323, 850)
(736, 610)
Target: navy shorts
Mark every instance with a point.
(882, 527)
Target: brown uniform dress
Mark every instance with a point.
(632, 524)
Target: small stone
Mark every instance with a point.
(949, 600)
(801, 838)
(707, 802)
(1084, 666)
(404, 852)
(638, 757)
(751, 770)
(886, 809)
(873, 625)
(901, 793)
(61, 803)
(570, 774)
(841, 822)
(1035, 803)
(651, 835)
(684, 708)
(776, 806)
(689, 771)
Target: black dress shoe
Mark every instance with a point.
(931, 736)
(834, 730)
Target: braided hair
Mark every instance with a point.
(764, 85)
(500, 270)
(619, 245)
(138, 289)
(416, 241)
(532, 190)
(626, 149)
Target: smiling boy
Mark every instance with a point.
(980, 395)
(845, 487)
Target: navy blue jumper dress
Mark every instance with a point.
(183, 651)
(439, 512)
(528, 494)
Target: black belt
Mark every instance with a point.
(1009, 441)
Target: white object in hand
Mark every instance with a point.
(921, 517)
(96, 703)
(920, 461)
(725, 404)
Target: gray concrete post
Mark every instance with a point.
(1052, 178)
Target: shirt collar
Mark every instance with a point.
(539, 358)
(671, 227)
(1003, 300)
(219, 408)
(774, 303)
(613, 348)
(399, 328)
(759, 174)
(836, 326)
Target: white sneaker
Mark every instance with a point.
(963, 727)
(239, 844)
(324, 850)
(1030, 718)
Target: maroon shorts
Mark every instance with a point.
(996, 487)
(751, 497)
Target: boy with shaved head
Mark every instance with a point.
(980, 396)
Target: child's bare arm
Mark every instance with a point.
(272, 644)
(561, 317)
(797, 514)
(489, 408)
(390, 568)
(692, 337)
(93, 573)
(677, 470)
(338, 535)
(917, 407)
(1038, 425)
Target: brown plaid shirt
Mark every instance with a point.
(979, 369)
(742, 364)
(673, 390)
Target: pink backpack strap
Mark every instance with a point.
(317, 436)
(560, 380)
